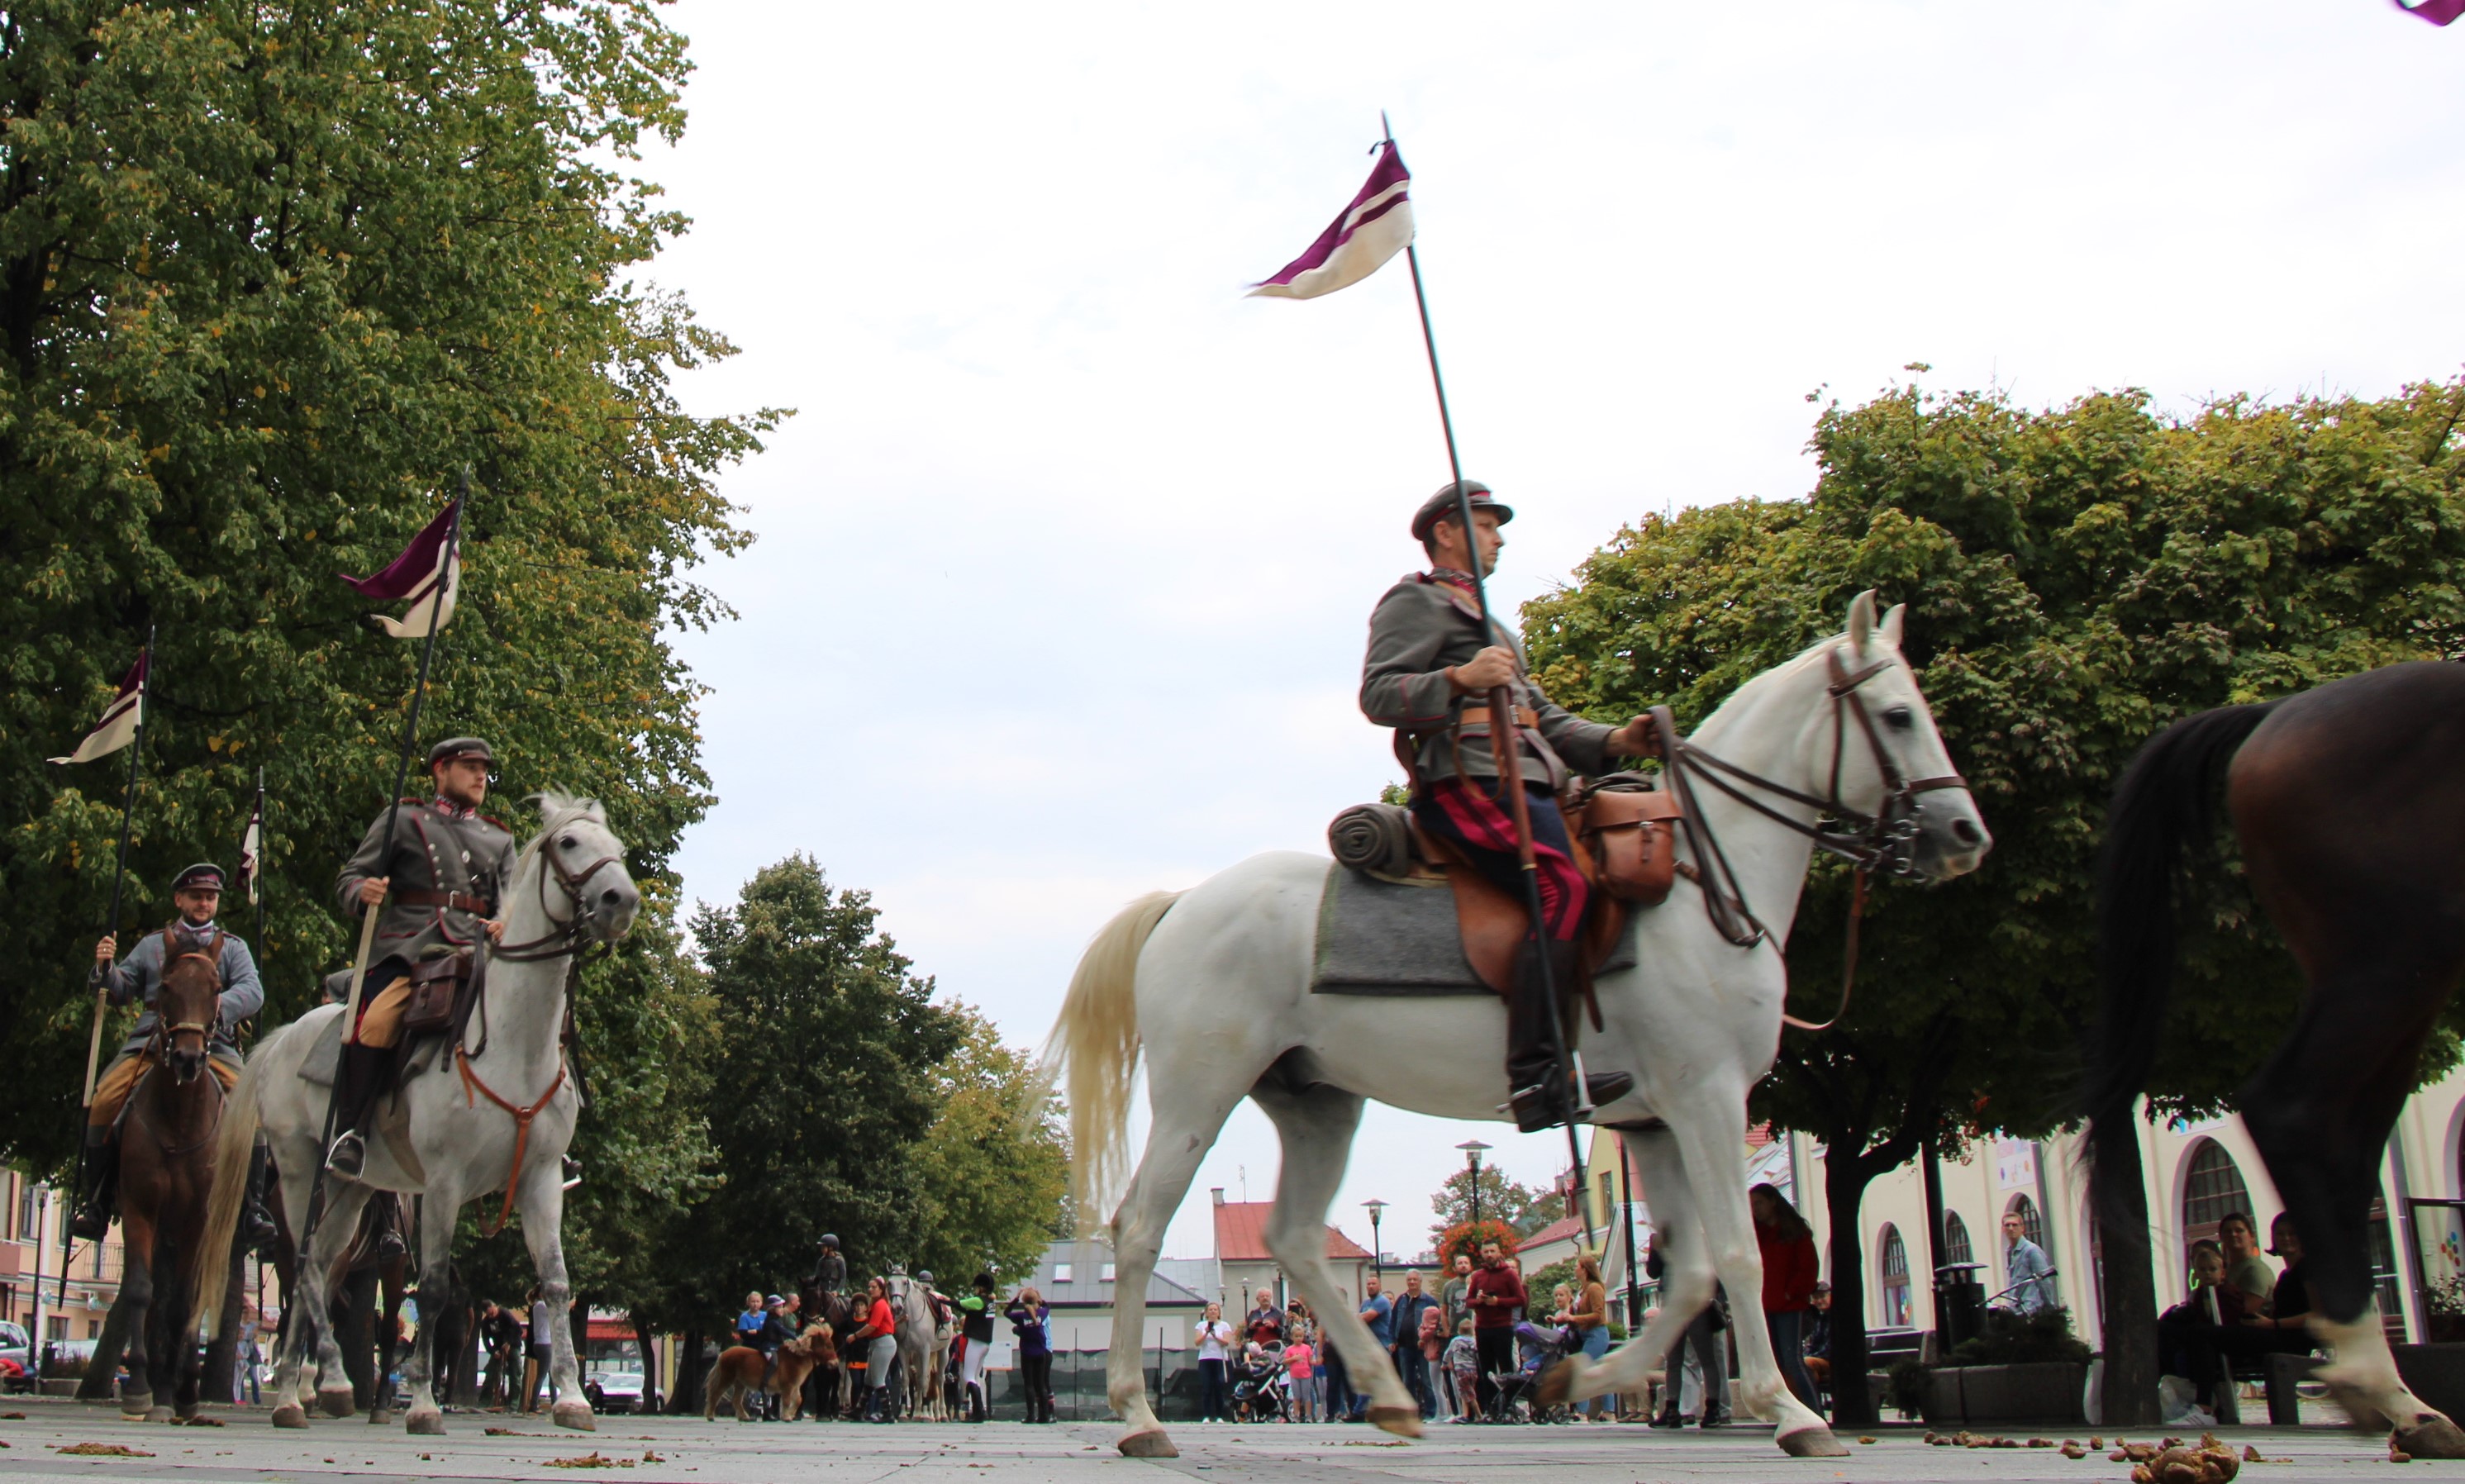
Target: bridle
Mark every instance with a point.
(564, 936)
(1885, 840)
(167, 1032)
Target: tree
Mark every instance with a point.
(1522, 1209)
(2075, 578)
(268, 277)
(991, 1170)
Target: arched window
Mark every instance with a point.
(2211, 1188)
(1896, 1280)
(1955, 1239)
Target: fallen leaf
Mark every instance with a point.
(589, 1460)
(649, 1456)
(102, 1450)
(1865, 1440)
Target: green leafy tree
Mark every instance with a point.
(990, 1170)
(1522, 1209)
(2075, 577)
(268, 277)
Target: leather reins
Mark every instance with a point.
(564, 942)
(1885, 841)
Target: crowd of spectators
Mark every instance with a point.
(2238, 1311)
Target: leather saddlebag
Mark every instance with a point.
(433, 985)
(1632, 832)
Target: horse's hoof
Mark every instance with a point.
(337, 1404)
(575, 1415)
(1149, 1443)
(2432, 1437)
(1405, 1422)
(162, 1414)
(1556, 1383)
(380, 1416)
(290, 1415)
(1814, 1442)
(430, 1423)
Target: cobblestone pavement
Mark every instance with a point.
(682, 1450)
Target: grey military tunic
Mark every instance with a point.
(139, 977)
(1421, 627)
(449, 865)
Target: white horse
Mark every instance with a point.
(923, 1348)
(451, 1135)
(1215, 981)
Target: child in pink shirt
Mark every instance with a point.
(1299, 1361)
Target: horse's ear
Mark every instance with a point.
(1891, 630)
(1861, 620)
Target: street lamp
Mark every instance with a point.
(1474, 1150)
(1377, 1249)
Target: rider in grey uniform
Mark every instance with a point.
(196, 891)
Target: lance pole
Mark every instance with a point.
(370, 911)
(110, 929)
(256, 873)
(1505, 753)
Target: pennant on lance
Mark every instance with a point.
(429, 573)
(121, 719)
(252, 840)
(2440, 12)
(1374, 228)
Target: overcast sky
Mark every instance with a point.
(1065, 560)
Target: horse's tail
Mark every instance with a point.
(232, 1144)
(2164, 803)
(1094, 1045)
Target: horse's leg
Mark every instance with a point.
(1186, 1123)
(437, 1206)
(1685, 1283)
(2321, 1111)
(341, 1223)
(137, 1292)
(543, 1206)
(1315, 1126)
(1710, 1130)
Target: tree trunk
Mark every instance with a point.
(2126, 1280)
(1844, 1197)
(652, 1387)
(688, 1387)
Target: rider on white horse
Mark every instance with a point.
(1429, 674)
(438, 880)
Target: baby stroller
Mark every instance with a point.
(1540, 1348)
(1258, 1384)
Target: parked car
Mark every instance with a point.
(616, 1391)
(17, 1364)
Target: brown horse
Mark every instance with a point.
(2348, 802)
(365, 1298)
(740, 1372)
(167, 1171)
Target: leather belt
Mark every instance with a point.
(459, 901)
(1479, 716)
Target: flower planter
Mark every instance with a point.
(2046, 1391)
(2435, 1373)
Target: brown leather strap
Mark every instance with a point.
(1479, 716)
(460, 901)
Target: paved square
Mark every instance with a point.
(689, 1452)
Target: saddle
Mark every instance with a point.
(1623, 830)
(443, 989)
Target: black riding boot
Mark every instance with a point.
(257, 1227)
(355, 1086)
(388, 1222)
(97, 1199)
(1538, 1098)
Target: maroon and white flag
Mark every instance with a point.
(429, 573)
(1374, 228)
(121, 719)
(2440, 12)
(251, 843)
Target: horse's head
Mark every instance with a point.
(187, 1008)
(576, 847)
(1888, 760)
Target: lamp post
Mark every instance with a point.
(1377, 1247)
(1474, 1150)
(34, 1331)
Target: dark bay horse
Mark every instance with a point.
(166, 1172)
(2348, 802)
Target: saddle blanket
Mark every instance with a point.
(1382, 938)
(326, 1056)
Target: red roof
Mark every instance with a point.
(1241, 1234)
(610, 1329)
(1758, 1136)
(1566, 1228)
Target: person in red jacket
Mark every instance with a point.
(1790, 1269)
(1497, 1298)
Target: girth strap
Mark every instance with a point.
(522, 1116)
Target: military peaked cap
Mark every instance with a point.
(453, 749)
(1437, 507)
(204, 874)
